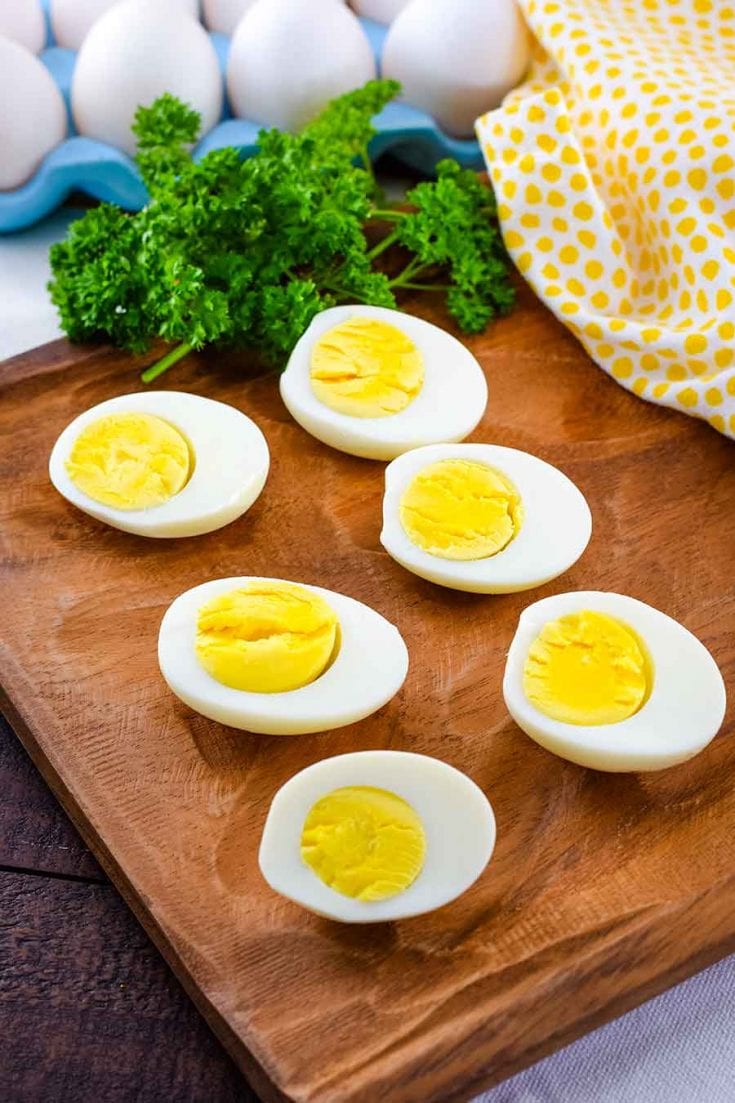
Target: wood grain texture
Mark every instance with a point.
(603, 889)
(33, 833)
(89, 1012)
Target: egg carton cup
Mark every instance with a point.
(104, 172)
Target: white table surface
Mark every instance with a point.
(678, 1048)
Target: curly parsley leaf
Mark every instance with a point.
(454, 230)
(164, 133)
(247, 252)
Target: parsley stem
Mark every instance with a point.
(342, 293)
(368, 166)
(385, 243)
(413, 268)
(165, 362)
(426, 287)
(387, 214)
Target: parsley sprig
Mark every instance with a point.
(246, 252)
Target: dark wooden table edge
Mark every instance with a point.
(251, 1069)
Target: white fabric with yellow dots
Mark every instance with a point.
(614, 171)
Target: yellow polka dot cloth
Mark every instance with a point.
(614, 170)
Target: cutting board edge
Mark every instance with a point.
(241, 1055)
(444, 1085)
(237, 1047)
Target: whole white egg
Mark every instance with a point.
(382, 11)
(71, 20)
(376, 836)
(224, 15)
(289, 58)
(23, 22)
(482, 518)
(363, 672)
(456, 59)
(609, 682)
(134, 53)
(376, 382)
(102, 463)
(32, 114)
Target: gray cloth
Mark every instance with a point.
(678, 1048)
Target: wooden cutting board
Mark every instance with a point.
(603, 889)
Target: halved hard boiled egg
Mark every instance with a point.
(611, 683)
(279, 658)
(376, 836)
(482, 518)
(376, 382)
(161, 463)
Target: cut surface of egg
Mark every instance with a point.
(376, 382)
(609, 682)
(274, 657)
(482, 518)
(376, 836)
(22, 21)
(289, 58)
(161, 463)
(32, 114)
(457, 58)
(132, 55)
(71, 20)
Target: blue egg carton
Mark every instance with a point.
(105, 172)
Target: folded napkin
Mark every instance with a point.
(614, 170)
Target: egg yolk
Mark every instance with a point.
(460, 509)
(586, 668)
(130, 461)
(366, 368)
(365, 843)
(268, 637)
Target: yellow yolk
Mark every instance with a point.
(366, 368)
(460, 509)
(365, 843)
(268, 637)
(586, 668)
(130, 461)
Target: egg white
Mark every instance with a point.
(72, 20)
(369, 668)
(231, 463)
(451, 402)
(32, 114)
(682, 714)
(224, 15)
(23, 21)
(457, 818)
(289, 58)
(380, 11)
(457, 58)
(133, 53)
(556, 527)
